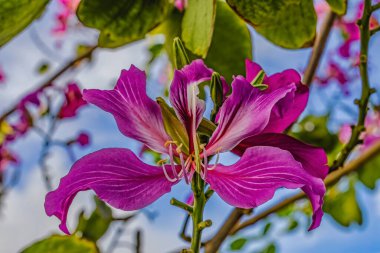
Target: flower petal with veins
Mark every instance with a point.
(116, 175)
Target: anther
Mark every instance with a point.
(178, 149)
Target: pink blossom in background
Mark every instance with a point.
(2, 76)
(334, 72)
(83, 139)
(73, 101)
(6, 158)
(180, 4)
(371, 134)
(67, 10)
(249, 123)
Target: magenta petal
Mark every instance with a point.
(254, 179)
(116, 175)
(245, 113)
(313, 159)
(252, 69)
(137, 116)
(288, 109)
(184, 93)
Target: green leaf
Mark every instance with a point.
(338, 6)
(231, 43)
(16, 15)
(62, 244)
(43, 68)
(155, 51)
(343, 206)
(286, 23)
(370, 172)
(173, 126)
(124, 21)
(266, 228)
(271, 248)
(198, 26)
(292, 225)
(94, 227)
(206, 127)
(238, 244)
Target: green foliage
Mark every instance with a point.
(343, 206)
(292, 225)
(266, 229)
(270, 248)
(16, 15)
(198, 26)
(62, 244)
(173, 126)
(338, 6)
(231, 44)
(370, 173)
(124, 21)
(289, 24)
(313, 130)
(94, 227)
(155, 51)
(238, 244)
(43, 68)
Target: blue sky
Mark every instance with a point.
(22, 217)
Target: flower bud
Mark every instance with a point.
(180, 56)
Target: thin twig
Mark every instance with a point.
(375, 30)
(48, 82)
(366, 89)
(223, 232)
(318, 48)
(375, 7)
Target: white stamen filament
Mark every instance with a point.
(205, 164)
(167, 176)
(183, 166)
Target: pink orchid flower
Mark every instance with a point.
(73, 102)
(249, 123)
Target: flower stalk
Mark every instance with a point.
(197, 186)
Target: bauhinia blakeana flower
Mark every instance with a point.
(249, 123)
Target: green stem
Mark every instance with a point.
(197, 186)
(366, 89)
(375, 7)
(375, 30)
